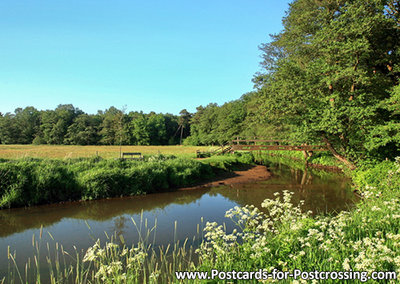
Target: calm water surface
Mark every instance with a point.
(68, 223)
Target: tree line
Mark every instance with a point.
(71, 126)
(331, 76)
(209, 125)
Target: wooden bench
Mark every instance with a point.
(133, 156)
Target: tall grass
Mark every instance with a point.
(114, 261)
(283, 238)
(318, 158)
(28, 181)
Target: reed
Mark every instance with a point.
(114, 261)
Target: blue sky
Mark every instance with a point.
(153, 55)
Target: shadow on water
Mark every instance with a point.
(325, 193)
(68, 223)
(20, 219)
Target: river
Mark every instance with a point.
(179, 214)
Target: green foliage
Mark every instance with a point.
(27, 182)
(215, 124)
(140, 131)
(376, 177)
(38, 141)
(54, 124)
(180, 171)
(291, 161)
(13, 179)
(384, 140)
(69, 125)
(102, 183)
(330, 76)
(296, 155)
(112, 127)
(325, 159)
(20, 127)
(283, 237)
(31, 182)
(328, 71)
(229, 162)
(297, 158)
(83, 131)
(52, 182)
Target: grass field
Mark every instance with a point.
(72, 151)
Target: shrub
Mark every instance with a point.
(377, 176)
(53, 183)
(103, 183)
(15, 180)
(38, 141)
(31, 181)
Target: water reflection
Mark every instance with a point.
(324, 193)
(81, 223)
(20, 219)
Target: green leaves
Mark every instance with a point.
(332, 74)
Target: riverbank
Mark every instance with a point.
(27, 182)
(242, 174)
(286, 238)
(320, 160)
(187, 208)
(294, 239)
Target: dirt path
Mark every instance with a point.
(243, 175)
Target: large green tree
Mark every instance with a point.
(112, 127)
(328, 71)
(54, 123)
(84, 130)
(20, 127)
(203, 123)
(8, 129)
(139, 130)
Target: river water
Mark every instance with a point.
(179, 214)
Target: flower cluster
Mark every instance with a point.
(366, 239)
(113, 263)
(283, 237)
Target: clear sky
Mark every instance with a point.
(150, 55)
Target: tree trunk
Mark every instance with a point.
(337, 155)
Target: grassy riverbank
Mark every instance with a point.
(365, 239)
(318, 159)
(27, 182)
(286, 238)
